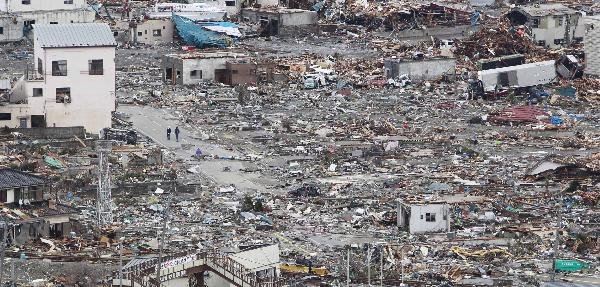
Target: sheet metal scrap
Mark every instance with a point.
(521, 114)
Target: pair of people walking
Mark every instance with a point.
(176, 133)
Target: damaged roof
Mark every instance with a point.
(10, 178)
(74, 35)
(539, 10)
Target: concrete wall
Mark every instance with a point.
(418, 223)
(207, 66)
(145, 32)
(439, 32)
(52, 133)
(12, 28)
(286, 17)
(40, 5)
(592, 46)
(232, 10)
(59, 16)
(299, 18)
(268, 3)
(185, 67)
(420, 70)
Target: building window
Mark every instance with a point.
(1, 30)
(53, 23)
(196, 74)
(5, 116)
(156, 33)
(430, 217)
(535, 23)
(38, 92)
(229, 3)
(28, 23)
(140, 34)
(234, 72)
(40, 67)
(25, 2)
(63, 95)
(558, 41)
(3, 195)
(96, 67)
(559, 21)
(68, 1)
(59, 68)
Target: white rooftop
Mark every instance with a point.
(74, 35)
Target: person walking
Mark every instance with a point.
(177, 133)
(169, 133)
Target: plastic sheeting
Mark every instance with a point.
(206, 34)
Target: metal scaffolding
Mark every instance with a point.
(104, 202)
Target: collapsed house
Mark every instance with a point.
(424, 216)
(276, 21)
(26, 211)
(549, 25)
(71, 82)
(20, 15)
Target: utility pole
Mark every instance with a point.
(121, 262)
(381, 266)
(402, 266)
(556, 235)
(3, 225)
(348, 268)
(13, 280)
(161, 236)
(369, 265)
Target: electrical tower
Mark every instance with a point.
(104, 200)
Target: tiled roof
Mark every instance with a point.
(10, 178)
(74, 35)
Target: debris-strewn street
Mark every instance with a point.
(299, 143)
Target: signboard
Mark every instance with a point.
(178, 261)
(569, 265)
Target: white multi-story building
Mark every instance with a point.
(25, 13)
(72, 80)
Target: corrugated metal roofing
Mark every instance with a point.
(74, 35)
(10, 178)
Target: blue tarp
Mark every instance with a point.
(194, 34)
(556, 120)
